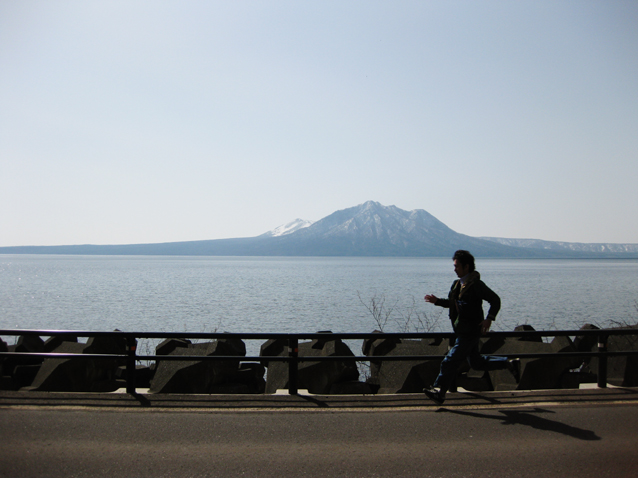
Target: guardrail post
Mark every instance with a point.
(131, 347)
(602, 362)
(293, 353)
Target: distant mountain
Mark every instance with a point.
(369, 229)
(288, 228)
(598, 248)
(372, 229)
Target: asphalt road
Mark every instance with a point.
(547, 441)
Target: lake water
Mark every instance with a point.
(282, 294)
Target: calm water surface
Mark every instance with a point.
(274, 294)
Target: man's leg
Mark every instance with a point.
(485, 362)
(491, 362)
(450, 365)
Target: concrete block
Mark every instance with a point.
(413, 375)
(176, 376)
(316, 377)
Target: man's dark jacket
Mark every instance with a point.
(466, 304)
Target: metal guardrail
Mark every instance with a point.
(293, 339)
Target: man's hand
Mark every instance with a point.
(431, 298)
(485, 326)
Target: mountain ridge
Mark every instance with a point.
(598, 247)
(287, 228)
(369, 229)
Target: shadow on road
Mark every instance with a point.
(319, 403)
(531, 419)
(145, 402)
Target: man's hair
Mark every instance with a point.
(465, 258)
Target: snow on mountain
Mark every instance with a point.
(288, 228)
(566, 246)
(371, 229)
(373, 221)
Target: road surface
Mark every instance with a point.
(599, 440)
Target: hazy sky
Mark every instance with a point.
(156, 121)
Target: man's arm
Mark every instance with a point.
(494, 300)
(432, 299)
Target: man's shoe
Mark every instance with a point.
(435, 395)
(514, 366)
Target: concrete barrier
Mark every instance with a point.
(320, 377)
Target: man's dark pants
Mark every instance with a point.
(465, 347)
